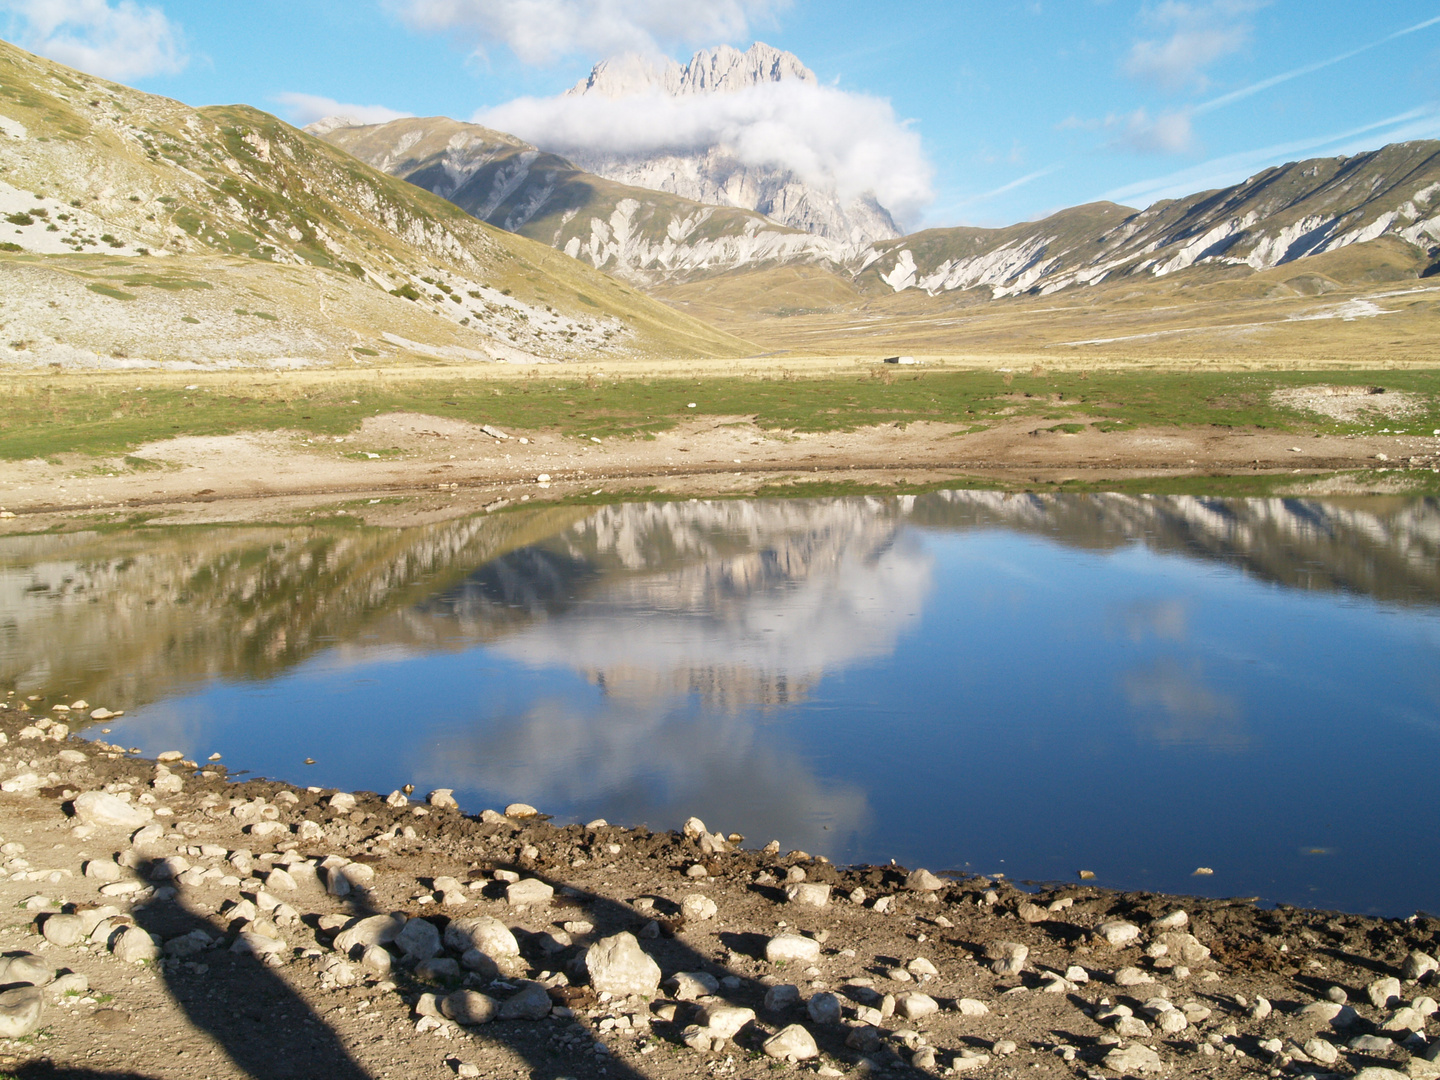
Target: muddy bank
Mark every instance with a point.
(179, 924)
(441, 466)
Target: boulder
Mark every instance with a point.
(469, 1007)
(107, 811)
(793, 1043)
(617, 965)
(20, 1011)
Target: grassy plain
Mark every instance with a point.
(90, 413)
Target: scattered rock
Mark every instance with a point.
(617, 965)
(521, 810)
(1007, 957)
(823, 1008)
(363, 933)
(443, 799)
(923, 881)
(103, 810)
(792, 1043)
(1383, 993)
(1418, 965)
(1134, 1058)
(20, 1011)
(690, 985)
(784, 948)
(1118, 933)
(134, 946)
(723, 1021)
(781, 998)
(808, 894)
(63, 930)
(418, 940)
(469, 1007)
(531, 1003)
(529, 892)
(698, 907)
(914, 1005)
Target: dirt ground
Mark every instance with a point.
(1253, 992)
(457, 466)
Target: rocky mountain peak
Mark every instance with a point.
(719, 70)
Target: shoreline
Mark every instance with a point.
(230, 898)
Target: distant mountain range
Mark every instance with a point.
(1281, 215)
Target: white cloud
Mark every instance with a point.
(826, 136)
(540, 31)
(121, 40)
(1167, 133)
(1194, 36)
(304, 109)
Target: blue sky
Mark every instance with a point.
(998, 110)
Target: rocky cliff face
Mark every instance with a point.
(716, 175)
(637, 234)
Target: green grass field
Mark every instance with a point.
(44, 416)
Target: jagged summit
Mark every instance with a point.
(709, 71)
(717, 174)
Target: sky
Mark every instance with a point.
(983, 112)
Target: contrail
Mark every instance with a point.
(1275, 80)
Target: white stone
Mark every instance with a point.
(20, 1011)
(1418, 965)
(419, 939)
(724, 1021)
(971, 1007)
(792, 947)
(529, 892)
(698, 907)
(104, 810)
(1118, 933)
(617, 965)
(793, 1043)
(443, 799)
(375, 930)
(1134, 1058)
(1009, 958)
(915, 1005)
(923, 881)
(690, 985)
(133, 946)
(1384, 992)
(521, 810)
(808, 894)
(484, 934)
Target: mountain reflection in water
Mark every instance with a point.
(852, 675)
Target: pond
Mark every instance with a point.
(1034, 685)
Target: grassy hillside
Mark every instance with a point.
(140, 231)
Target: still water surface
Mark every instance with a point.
(1021, 684)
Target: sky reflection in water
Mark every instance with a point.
(964, 681)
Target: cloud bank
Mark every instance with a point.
(828, 137)
(541, 31)
(124, 40)
(305, 109)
